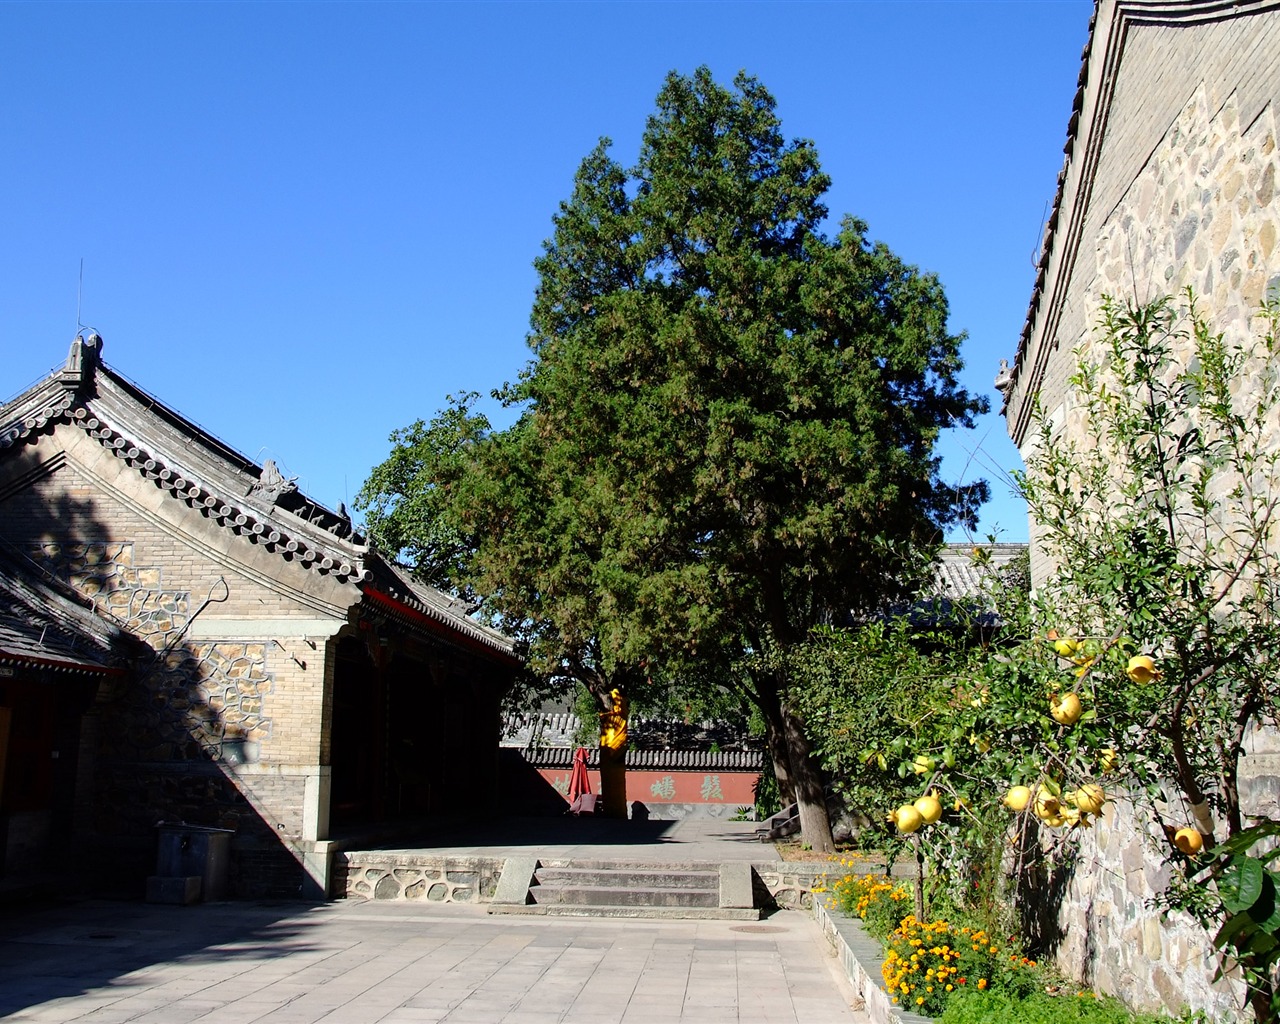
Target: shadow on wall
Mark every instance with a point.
(1041, 890)
(161, 740)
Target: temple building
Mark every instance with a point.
(186, 636)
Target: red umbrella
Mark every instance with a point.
(580, 785)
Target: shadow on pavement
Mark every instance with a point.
(51, 951)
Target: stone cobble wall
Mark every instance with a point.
(198, 699)
(419, 876)
(413, 877)
(1165, 68)
(1202, 213)
(1116, 941)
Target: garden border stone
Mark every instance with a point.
(862, 957)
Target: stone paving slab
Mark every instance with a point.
(578, 839)
(358, 962)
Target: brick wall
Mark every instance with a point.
(226, 726)
(1164, 69)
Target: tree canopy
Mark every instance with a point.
(727, 428)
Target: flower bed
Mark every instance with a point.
(954, 972)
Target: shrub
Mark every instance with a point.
(1040, 1008)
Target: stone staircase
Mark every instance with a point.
(584, 888)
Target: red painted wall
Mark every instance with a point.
(672, 787)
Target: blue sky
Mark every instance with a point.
(303, 225)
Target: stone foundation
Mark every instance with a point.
(408, 876)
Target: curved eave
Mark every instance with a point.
(231, 513)
(58, 665)
(456, 631)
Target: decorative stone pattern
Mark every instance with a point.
(203, 700)
(381, 876)
(105, 573)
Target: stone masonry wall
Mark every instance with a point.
(1203, 213)
(1234, 60)
(224, 728)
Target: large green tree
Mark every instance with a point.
(727, 428)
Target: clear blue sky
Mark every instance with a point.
(303, 225)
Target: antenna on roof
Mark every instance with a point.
(80, 326)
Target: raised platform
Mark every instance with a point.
(464, 862)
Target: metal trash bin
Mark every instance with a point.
(191, 863)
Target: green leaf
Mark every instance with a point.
(1237, 924)
(1241, 883)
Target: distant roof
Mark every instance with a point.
(964, 568)
(45, 624)
(558, 758)
(549, 729)
(254, 501)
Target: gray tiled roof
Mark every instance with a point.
(195, 467)
(961, 573)
(557, 758)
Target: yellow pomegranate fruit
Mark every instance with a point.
(1066, 647)
(909, 819)
(1017, 798)
(1142, 668)
(929, 808)
(1066, 710)
(1108, 760)
(1047, 805)
(1090, 798)
(1188, 841)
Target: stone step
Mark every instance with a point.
(628, 878)
(662, 866)
(624, 896)
(619, 889)
(668, 913)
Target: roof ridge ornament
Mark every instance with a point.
(272, 485)
(85, 356)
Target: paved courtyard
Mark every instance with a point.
(354, 962)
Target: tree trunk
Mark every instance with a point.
(613, 782)
(815, 826)
(775, 739)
